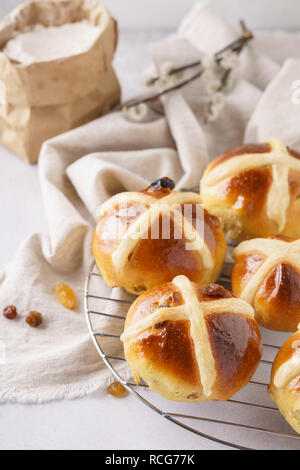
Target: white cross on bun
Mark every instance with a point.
(255, 190)
(266, 274)
(192, 343)
(145, 238)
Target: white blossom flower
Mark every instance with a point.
(167, 79)
(148, 81)
(218, 100)
(216, 104)
(229, 59)
(211, 80)
(212, 113)
(138, 112)
(209, 62)
(165, 82)
(208, 75)
(213, 86)
(166, 69)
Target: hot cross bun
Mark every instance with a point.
(145, 238)
(192, 343)
(266, 274)
(255, 190)
(284, 387)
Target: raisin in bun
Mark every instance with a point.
(192, 343)
(145, 238)
(254, 189)
(266, 274)
(284, 388)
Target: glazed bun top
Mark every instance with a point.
(286, 366)
(260, 185)
(257, 259)
(145, 238)
(266, 274)
(201, 338)
(284, 386)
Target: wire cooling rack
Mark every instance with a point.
(247, 421)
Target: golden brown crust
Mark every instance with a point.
(293, 212)
(245, 199)
(287, 396)
(285, 352)
(158, 193)
(284, 238)
(235, 340)
(275, 294)
(243, 269)
(293, 153)
(249, 189)
(163, 353)
(158, 254)
(212, 292)
(166, 295)
(162, 259)
(247, 193)
(213, 234)
(120, 217)
(170, 349)
(277, 302)
(240, 150)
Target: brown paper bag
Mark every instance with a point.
(44, 99)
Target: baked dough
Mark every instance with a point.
(192, 343)
(266, 274)
(255, 190)
(284, 387)
(145, 238)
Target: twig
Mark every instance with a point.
(125, 107)
(235, 46)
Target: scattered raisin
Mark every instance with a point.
(66, 296)
(116, 389)
(10, 312)
(159, 325)
(164, 182)
(34, 319)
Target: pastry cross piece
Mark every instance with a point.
(291, 368)
(140, 227)
(276, 251)
(281, 163)
(195, 312)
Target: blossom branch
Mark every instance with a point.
(222, 62)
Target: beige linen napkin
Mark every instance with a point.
(81, 169)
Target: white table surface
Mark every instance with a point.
(98, 421)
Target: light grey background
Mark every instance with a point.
(149, 14)
(100, 421)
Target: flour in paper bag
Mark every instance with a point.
(40, 44)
